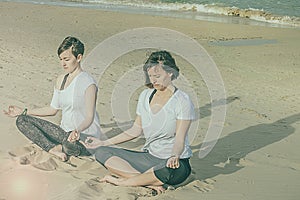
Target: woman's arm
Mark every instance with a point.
(130, 134)
(42, 112)
(182, 127)
(14, 111)
(90, 105)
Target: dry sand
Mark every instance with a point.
(257, 155)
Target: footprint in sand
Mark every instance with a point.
(22, 151)
(93, 189)
(23, 155)
(202, 186)
(35, 157)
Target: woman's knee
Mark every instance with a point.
(172, 176)
(21, 121)
(163, 173)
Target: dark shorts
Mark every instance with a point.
(143, 161)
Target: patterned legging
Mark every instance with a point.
(47, 135)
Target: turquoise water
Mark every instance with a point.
(282, 13)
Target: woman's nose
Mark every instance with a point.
(62, 63)
(153, 79)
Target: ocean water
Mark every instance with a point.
(276, 7)
(282, 13)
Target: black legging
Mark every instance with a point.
(47, 135)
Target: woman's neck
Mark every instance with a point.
(168, 91)
(75, 72)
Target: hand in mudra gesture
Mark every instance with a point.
(13, 111)
(92, 143)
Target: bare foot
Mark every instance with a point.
(111, 179)
(57, 151)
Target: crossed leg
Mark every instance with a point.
(45, 134)
(134, 168)
(129, 176)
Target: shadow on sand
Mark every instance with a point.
(235, 146)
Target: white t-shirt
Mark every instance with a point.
(159, 128)
(71, 101)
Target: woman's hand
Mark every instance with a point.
(74, 135)
(92, 143)
(13, 111)
(173, 162)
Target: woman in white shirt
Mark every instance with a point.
(75, 94)
(164, 114)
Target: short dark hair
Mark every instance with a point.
(71, 42)
(167, 61)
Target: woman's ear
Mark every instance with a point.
(170, 74)
(79, 57)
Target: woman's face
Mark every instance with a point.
(159, 78)
(68, 61)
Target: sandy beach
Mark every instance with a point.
(257, 155)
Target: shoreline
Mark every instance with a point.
(228, 15)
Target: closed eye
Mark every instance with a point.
(155, 76)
